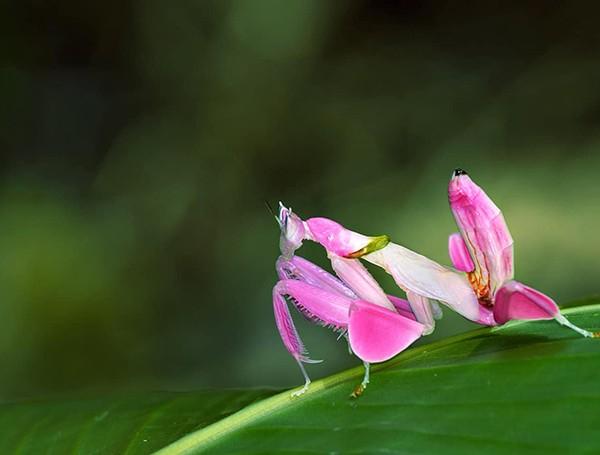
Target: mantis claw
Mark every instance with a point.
(300, 392)
(360, 388)
(307, 381)
(565, 322)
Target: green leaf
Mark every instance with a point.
(121, 425)
(525, 387)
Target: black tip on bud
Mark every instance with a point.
(458, 171)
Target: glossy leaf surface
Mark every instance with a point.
(528, 387)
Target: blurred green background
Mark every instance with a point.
(139, 141)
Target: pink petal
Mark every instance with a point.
(376, 334)
(484, 230)
(416, 273)
(514, 300)
(459, 253)
(341, 241)
(356, 276)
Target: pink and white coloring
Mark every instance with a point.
(483, 250)
(377, 326)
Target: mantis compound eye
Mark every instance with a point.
(458, 171)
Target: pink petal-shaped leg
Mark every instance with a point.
(459, 253)
(515, 300)
(287, 329)
(461, 260)
(422, 310)
(357, 277)
(377, 334)
(291, 339)
(486, 316)
(323, 306)
(298, 268)
(402, 307)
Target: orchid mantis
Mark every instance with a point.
(377, 326)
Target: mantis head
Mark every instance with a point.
(293, 231)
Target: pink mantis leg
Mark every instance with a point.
(461, 260)
(289, 336)
(421, 308)
(513, 300)
(374, 332)
(412, 318)
(516, 301)
(297, 278)
(459, 253)
(355, 275)
(362, 284)
(298, 268)
(377, 334)
(402, 307)
(352, 272)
